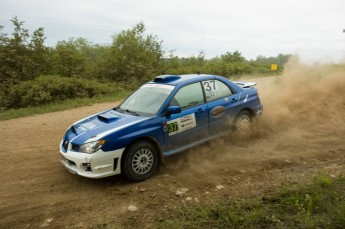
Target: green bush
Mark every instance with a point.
(47, 89)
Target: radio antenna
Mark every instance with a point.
(201, 45)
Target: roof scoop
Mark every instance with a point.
(166, 78)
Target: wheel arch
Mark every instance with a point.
(251, 112)
(151, 140)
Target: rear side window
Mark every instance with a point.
(215, 89)
(188, 96)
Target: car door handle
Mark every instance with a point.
(200, 110)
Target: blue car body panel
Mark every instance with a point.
(205, 121)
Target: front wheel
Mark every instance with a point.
(140, 161)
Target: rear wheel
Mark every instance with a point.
(243, 122)
(140, 161)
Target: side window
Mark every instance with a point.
(188, 96)
(215, 89)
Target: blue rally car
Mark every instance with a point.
(163, 117)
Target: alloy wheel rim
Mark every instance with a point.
(142, 161)
(243, 122)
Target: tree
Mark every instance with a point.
(233, 57)
(14, 53)
(134, 57)
(70, 58)
(171, 64)
(39, 53)
(283, 58)
(21, 59)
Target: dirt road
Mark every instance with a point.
(300, 135)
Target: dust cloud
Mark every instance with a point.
(310, 94)
(304, 114)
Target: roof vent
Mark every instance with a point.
(166, 78)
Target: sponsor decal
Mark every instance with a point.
(186, 118)
(87, 126)
(217, 111)
(159, 86)
(181, 124)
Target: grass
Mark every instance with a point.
(318, 205)
(63, 105)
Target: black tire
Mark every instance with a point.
(140, 161)
(243, 122)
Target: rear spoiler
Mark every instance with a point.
(245, 84)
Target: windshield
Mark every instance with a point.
(147, 100)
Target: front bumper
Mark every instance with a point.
(97, 165)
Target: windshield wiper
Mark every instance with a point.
(117, 109)
(131, 112)
(126, 111)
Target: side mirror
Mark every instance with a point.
(173, 110)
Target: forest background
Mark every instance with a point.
(33, 74)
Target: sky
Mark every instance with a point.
(312, 29)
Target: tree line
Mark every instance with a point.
(32, 73)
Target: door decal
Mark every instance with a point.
(179, 125)
(217, 111)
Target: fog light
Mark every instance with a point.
(87, 167)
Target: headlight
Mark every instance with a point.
(91, 147)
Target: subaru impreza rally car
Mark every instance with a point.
(165, 116)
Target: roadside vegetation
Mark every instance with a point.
(63, 105)
(318, 205)
(32, 74)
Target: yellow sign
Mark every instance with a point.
(274, 67)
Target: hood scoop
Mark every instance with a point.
(108, 117)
